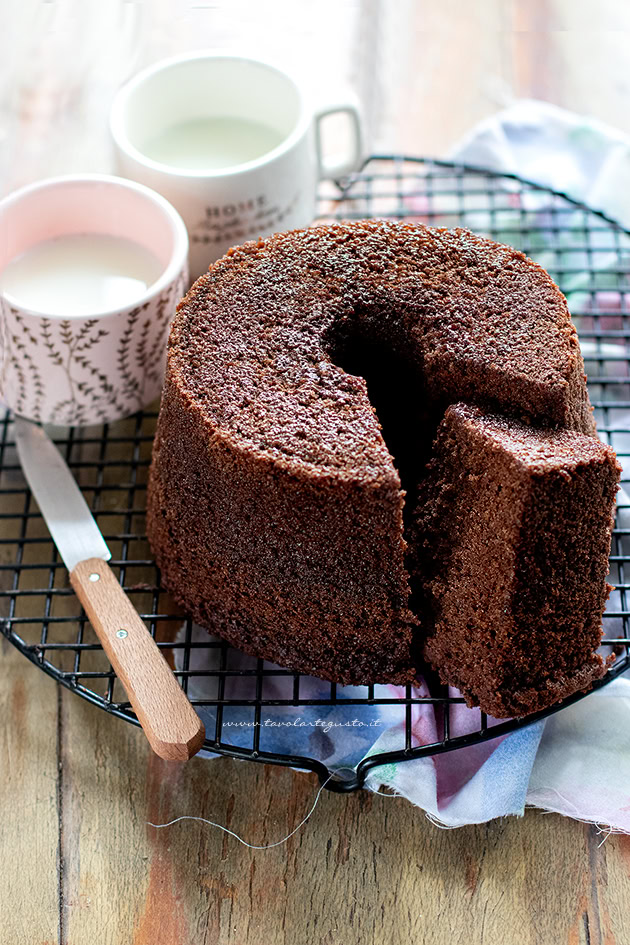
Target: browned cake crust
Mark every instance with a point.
(511, 539)
(275, 509)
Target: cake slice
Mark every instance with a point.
(510, 544)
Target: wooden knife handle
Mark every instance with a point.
(173, 728)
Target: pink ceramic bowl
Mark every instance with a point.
(106, 365)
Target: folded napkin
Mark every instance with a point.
(579, 156)
(577, 762)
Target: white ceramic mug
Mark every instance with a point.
(221, 208)
(106, 364)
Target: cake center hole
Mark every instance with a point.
(398, 396)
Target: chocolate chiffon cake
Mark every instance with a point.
(316, 498)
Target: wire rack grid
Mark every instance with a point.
(587, 254)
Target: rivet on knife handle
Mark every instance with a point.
(173, 728)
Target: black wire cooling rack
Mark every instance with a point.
(586, 253)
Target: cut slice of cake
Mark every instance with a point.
(510, 543)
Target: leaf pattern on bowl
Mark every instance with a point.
(80, 371)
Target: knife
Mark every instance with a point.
(173, 728)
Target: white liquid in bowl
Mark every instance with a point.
(211, 144)
(79, 275)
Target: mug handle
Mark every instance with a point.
(339, 168)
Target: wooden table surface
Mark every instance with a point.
(78, 862)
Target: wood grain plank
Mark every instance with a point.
(448, 74)
(29, 896)
(610, 878)
(364, 869)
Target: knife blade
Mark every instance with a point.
(173, 728)
(61, 502)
